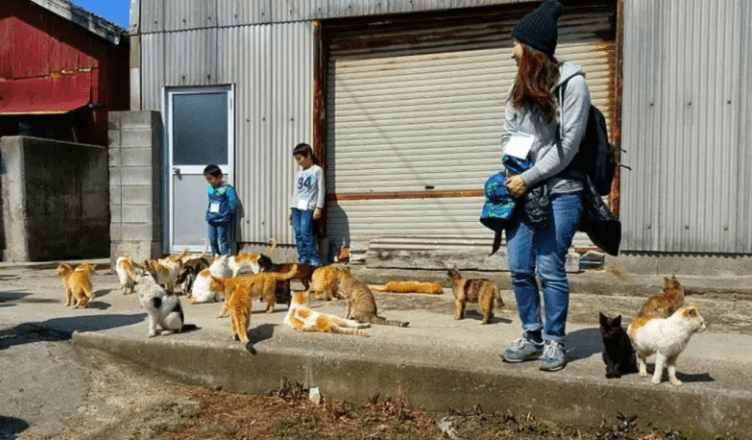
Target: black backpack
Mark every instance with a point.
(596, 156)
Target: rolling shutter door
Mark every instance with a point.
(414, 112)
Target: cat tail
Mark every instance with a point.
(383, 321)
(349, 331)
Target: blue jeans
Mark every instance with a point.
(302, 224)
(218, 237)
(546, 250)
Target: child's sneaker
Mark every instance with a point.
(554, 357)
(523, 349)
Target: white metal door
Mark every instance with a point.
(200, 131)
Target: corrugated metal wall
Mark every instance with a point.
(272, 69)
(416, 110)
(686, 126)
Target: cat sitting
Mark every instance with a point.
(77, 284)
(361, 305)
(125, 269)
(201, 290)
(667, 338)
(618, 354)
(662, 305)
(482, 291)
(163, 308)
(302, 318)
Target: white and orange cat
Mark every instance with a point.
(666, 337)
(125, 269)
(302, 318)
(252, 261)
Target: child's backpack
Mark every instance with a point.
(597, 156)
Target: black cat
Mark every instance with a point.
(618, 353)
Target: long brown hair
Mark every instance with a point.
(537, 75)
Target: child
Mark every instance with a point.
(307, 200)
(222, 205)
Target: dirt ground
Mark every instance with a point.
(126, 402)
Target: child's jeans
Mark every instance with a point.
(218, 233)
(546, 250)
(302, 224)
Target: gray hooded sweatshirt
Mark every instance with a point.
(552, 150)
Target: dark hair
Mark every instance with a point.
(537, 75)
(304, 149)
(212, 170)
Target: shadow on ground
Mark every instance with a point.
(61, 329)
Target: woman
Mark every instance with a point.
(532, 130)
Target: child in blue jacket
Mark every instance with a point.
(222, 205)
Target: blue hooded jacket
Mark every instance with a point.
(222, 203)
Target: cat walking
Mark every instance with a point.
(302, 318)
(667, 338)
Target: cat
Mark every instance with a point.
(618, 354)
(324, 283)
(361, 305)
(302, 318)
(667, 338)
(77, 284)
(166, 270)
(240, 292)
(252, 261)
(201, 290)
(124, 267)
(163, 308)
(662, 305)
(262, 284)
(484, 291)
(410, 287)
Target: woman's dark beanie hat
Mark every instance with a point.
(538, 29)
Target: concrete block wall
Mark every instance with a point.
(55, 203)
(135, 157)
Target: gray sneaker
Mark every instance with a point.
(523, 349)
(554, 357)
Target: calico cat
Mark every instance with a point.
(77, 284)
(240, 292)
(410, 287)
(201, 290)
(662, 305)
(361, 305)
(261, 284)
(163, 308)
(667, 338)
(255, 262)
(124, 268)
(618, 354)
(484, 291)
(324, 283)
(302, 318)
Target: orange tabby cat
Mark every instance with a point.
(361, 305)
(662, 305)
(302, 318)
(324, 283)
(261, 284)
(243, 290)
(410, 287)
(77, 284)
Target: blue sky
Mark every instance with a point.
(115, 11)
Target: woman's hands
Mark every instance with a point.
(516, 186)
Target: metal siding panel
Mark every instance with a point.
(425, 112)
(272, 68)
(686, 143)
(152, 71)
(200, 68)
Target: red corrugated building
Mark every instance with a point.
(61, 70)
